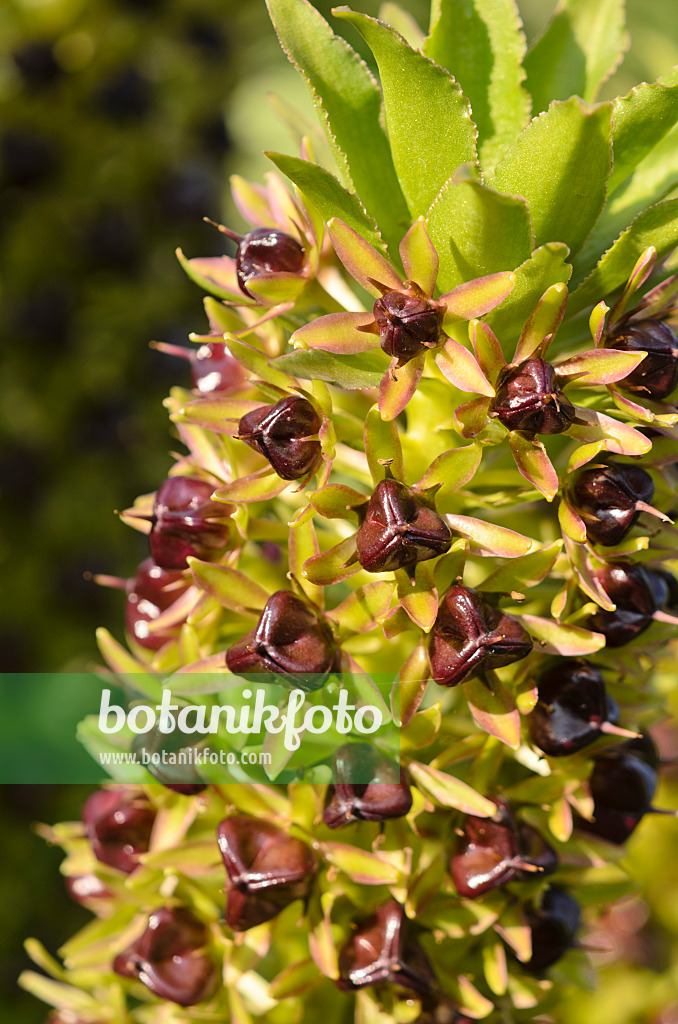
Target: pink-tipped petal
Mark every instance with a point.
(362, 260)
(543, 323)
(398, 386)
(476, 298)
(339, 333)
(462, 370)
(419, 257)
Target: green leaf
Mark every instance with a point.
(354, 372)
(598, 366)
(127, 668)
(582, 46)
(258, 362)
(477, 230)
(296, 979)
(259, 486)
(333, 565)
(497, 540)
(382, 446)
(452, 470)
(533, 463)
(427, 116)
(524, 572)
(230, 588)
(651, 181)
(362, 609)
(640, 120)
(361, 866)
(494, 711)
(408, 691)
(545, 267)
(451, 792)
(403, 22)
(482, 44)
(420, 600)
(336, 501)
(460, 367)
(657, 226)
(321, 190)
(559, 164)
(349, 105)
(560, 638)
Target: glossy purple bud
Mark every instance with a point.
(381, 952)
(170, 958)
(149, 592)
(529, 398)
(571, 709)
(407, 325)
(622, 786)
(494, 851)
(637, 593)
(399, 529)
(470, 636)
(213, 368)
(657, 375)
(118, 825)
(267, 251)
(267, 870)
(89, 891)
(291, 640)
(644, 747)
(182, 523)
(606, 497)
(553, 925)
(286, 435)
(387, 795)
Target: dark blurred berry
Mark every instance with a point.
(385, 795)
(470, 636)
(149, 592)
(529, 398)
(553, 925)
(622, 786)
(89, 891)
(170, 958)
(381, 952)
(571, 709)
(126, 96)
(207, 36)
(37, 64)
(112, 241)
(189, 192)
(637, 593)
(118, 824)
(27, 158)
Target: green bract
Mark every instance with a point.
(454, 336)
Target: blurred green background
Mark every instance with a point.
(120, 121)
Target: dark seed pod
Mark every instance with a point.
(170, 958)
(553, 925)
(290, 640)
(622, 786)
(118, 825)
(657, 375)
(149, 592)
(267, 870)
(529, 398)
(493, 851)
(380, 952)
(407, 325)
(180, 777)
(267, 251)
(606, 498)
(470, 637)
(387, 795)
(637, 592)
(182, 526)
(284, 434)
(399, 529)
(572, 708)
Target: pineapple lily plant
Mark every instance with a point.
(431, 439)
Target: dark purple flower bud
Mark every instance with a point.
(387, 795)
(182, 523)
(470, 636)
(642, 746)
(286, 435)
(267, 870)
(170, 958)
(637, 592)
(267, 251)
(380, 952)
(623, 787)
(118, 825)
(407, 325)
(572, 710)
(554, 925)
(181, 776)
(606, 498)
(656, 376)
(493, 851)
(213, 368)
(149, 592)
(88, 890)
(399, 529)
(529, 398)
(291, 640)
